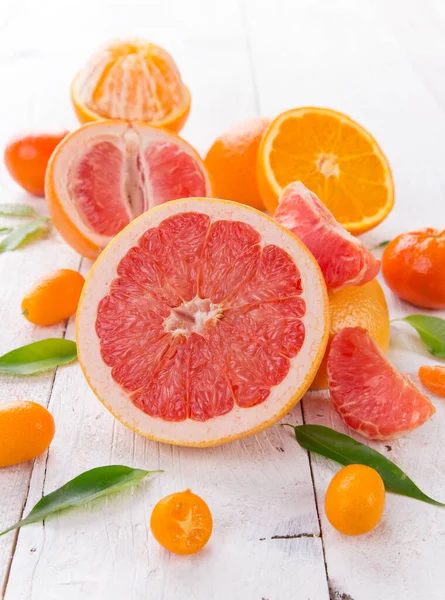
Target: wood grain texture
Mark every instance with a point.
(240, 58)
(260, 490)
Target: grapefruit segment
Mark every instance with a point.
(343, 259)
(372, 397)
(182, 349)
(107, 173)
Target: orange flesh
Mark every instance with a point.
(335, 158)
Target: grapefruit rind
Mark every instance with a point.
(239, 422)
(270, 189)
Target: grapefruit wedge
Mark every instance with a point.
(203, 321)
(106, 173)
(343, 259)
(371, 396)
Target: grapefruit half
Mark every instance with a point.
(368, 393)
(203, 321)
(106, 173)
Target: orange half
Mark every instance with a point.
(334, 157)
(133, 81)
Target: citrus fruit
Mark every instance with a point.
(433, 378)
(202, 322)
(53, 298)
(26, 158)
(413, 267)
(370, 396)
(26, 431)
(132, 80)
(333, 156)
(106, 173)
(231, 162)
(182, 523)
(355, 500)
(343, 259)
(363, 306)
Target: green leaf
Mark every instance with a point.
(25, 233)
(88, 486)
(38, 356)
(347, 451)
(4, 230)
(431, 331)
(17, 210)
(381, 245)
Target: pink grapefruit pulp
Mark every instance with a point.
(343, 259)
(369, 394)
(106, 173)
(202, 321)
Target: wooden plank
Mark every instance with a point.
(18, 271)
(258, 489)
(344, 55)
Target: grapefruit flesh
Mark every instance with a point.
(371, 396)
(203, 321)
(107, 173)
(343, 259)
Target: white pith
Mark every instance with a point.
(192, 317)
(238, 421)
(130, 139)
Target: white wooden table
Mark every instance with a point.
(383, 63)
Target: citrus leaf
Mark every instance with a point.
(381, 245)
(16, 210)
(25, 233)
(88, 486)
(431, 331)
(38, 356)
(347, 451)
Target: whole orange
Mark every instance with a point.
(26, 431)
(231, 162)
(53, 298)
(357, 306)
(26, 159)
(355, 500)
(413, 266)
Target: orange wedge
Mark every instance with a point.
(134, 81)
(333, 156)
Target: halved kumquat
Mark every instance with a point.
(182, 523)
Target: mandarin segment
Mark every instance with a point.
(333, 156)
